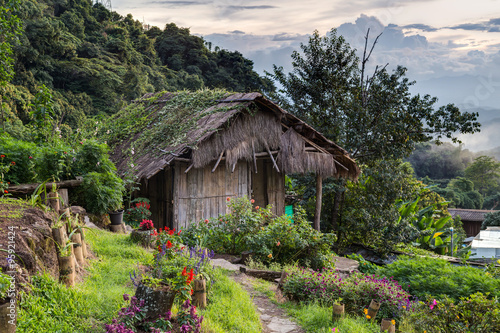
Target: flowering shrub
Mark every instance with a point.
(137, 212)
(229, 233)
(133, 317)
(146, 225)
(475, 313)
(356, 291)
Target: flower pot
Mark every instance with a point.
(8, 315)
(157, 301)
(200, 293)
(387, 326)
(142, 237)
(116, 218)
(373, 309)
(67, 270)
(338, 311)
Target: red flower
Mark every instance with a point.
(5, 191)
(169, 245)
(257, 207)
(171, 232)
(13, 163)
(159, 248)
(30, 157)
(184, 273)
(252, 201)
(278, 244)
(206, 220)
(191, 292)
(228, 199)
(179, 232)
(2, 156)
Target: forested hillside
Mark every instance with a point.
(94, 61)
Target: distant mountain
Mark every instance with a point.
(495, 152)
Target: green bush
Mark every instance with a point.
(138, 211)
(476, 314)
(102, 192)
(490, 220)
(436, 277)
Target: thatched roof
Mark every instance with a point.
(237, 125)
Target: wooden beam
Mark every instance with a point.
(189, 168)
(234, 166)
(272, 158)
(218, 161)
(274, 152)
(319, 201)
(29, 188)
(254, 158)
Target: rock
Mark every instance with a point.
(157, 301)
(142, 237)
(222, 263)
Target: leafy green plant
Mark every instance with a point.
(490, 220)
(5, 283)
(102, 192)
(365, 266)
(137, 212)
(436, 277)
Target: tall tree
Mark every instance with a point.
(373, 116)
(485, 174)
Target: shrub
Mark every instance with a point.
(490, 220)
(476, 313)
(102, 192)
(436, 277)
(356, 291)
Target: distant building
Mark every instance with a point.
(486, 244)
(471, 219)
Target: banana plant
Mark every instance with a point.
(433, 234)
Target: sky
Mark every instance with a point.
(451, 48)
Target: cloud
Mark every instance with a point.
(492, 25)
(419, 26)
(177, 3)
(237, 32)
(250, 7)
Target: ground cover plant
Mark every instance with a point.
(426, 277)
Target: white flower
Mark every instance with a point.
(98, 163)
(57, 129)
(60, 135)
(78, 130)
(132, 165)
(107, 132)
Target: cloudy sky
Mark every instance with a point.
(450, 47)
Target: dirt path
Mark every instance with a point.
(273, 318)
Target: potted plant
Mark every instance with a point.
(7, 304)
(103, 193)
(144, 234)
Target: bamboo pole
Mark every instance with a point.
(218, 161)
(272, 158)
(319, 201)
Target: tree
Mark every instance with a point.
(484, 172)
(374, 117)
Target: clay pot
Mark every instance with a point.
(338, 311)
(387, 326)
(67, 270)
(8, 315)
(373, 309)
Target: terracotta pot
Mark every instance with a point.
(373, 309)
(200, 293)
(387, 326)
(338, 311)
(158, 301)
(8, 315)
(67, 270)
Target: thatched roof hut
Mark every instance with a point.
(177, 142)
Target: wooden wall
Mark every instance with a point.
(201, 194)
(471, 228)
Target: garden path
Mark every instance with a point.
(273, 318)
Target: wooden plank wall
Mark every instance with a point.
(201, 194)
(275, 188)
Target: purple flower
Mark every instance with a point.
(126, 297)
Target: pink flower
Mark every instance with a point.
(434, 303)
(252, 201)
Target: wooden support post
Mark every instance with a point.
(218, 161)
(254, 158)
(234, 166)
(189, 168)
(319, 200)
(272, 158)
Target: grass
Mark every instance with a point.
(230, 308)
(96, 301)
(90, 304)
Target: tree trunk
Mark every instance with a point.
(319, 200)
(335, 223)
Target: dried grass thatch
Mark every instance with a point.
(238, 125)
(262, 130)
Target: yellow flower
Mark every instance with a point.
(393, 322)
(404, 307)
(365, 311)
(270, 255)
(368, 317)
(458, 317)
